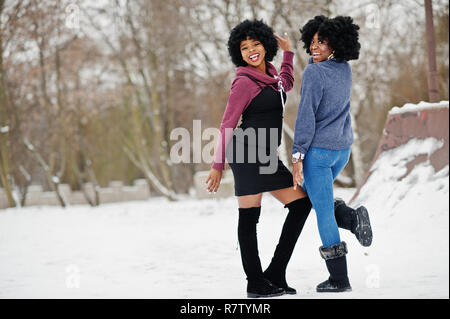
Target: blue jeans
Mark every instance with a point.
(320, 168)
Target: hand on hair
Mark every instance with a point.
(283, 43)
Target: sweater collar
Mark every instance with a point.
(258, 75)
(311, 61)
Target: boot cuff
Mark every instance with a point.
(334, 251)
(301, 203)
(338, 202)
(250, 214)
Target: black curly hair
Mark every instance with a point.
(340, 32)
(256, 30)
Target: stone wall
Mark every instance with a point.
(115, 192)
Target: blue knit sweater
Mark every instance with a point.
(323, 118)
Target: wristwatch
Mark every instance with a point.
(297, 157)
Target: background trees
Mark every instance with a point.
(91, 91)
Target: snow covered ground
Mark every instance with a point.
(188, 249)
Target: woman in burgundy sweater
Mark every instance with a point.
(257, 93)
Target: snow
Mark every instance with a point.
(392, 164)
(188, 248)
(422, 106)
(410, 215)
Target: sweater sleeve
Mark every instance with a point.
(238, 100)
(310, 96)
(287, 70)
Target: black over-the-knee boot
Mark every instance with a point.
(355, 220)
(336, 262)
(293, 225)
(257, 285)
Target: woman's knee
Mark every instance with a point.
(249, 201)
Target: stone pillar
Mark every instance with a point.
(142, 188)
(34, 193)
(117, 191)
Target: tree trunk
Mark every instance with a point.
(433, 84)
(5, 171)
(53, 181)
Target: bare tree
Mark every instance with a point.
(8, 18)
(433, 85)
(98, 102)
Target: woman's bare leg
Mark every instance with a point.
(288, 195)
(249, 201)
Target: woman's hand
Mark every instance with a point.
(283, 44)
(297, 174)
(213, 180)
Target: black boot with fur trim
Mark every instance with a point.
(337, 266)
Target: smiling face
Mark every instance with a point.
(253, 53)
(319, 49)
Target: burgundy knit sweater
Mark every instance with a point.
(243, 90)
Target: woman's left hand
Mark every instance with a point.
(283, 43)
(297, 174)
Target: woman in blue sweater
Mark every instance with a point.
(323, 136)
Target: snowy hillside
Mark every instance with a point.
(412, 216)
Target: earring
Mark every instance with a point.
(331, 56)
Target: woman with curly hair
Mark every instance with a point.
(323, 136)
(257, 93)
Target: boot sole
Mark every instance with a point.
(287, 292)
(335, 290)
(365, 234)
(252, 295)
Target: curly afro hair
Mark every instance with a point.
(256, 30)
(341, 33)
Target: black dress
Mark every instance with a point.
(255, 167)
